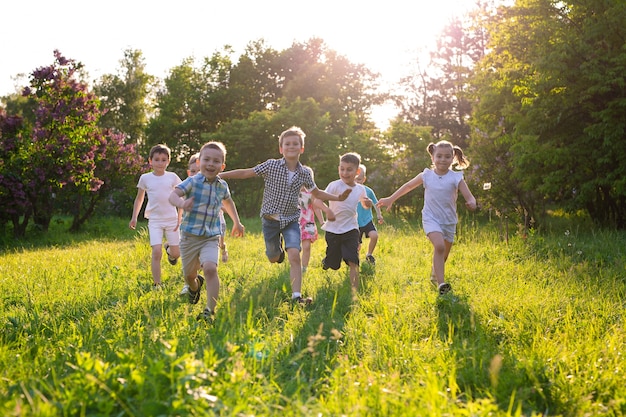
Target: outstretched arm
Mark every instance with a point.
(323, 195)
(404, 189)
(238, 174)
(470, 200)
(229, 207)
(319, 205)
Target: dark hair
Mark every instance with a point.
(160, 149)
(214, 145)
(351, 158)
(460, 160)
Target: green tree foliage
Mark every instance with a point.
(125, 98)
(551, 97)
(56, 157)
(308, 82)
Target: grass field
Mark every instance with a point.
(534, 326)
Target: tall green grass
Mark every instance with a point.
(532, 327)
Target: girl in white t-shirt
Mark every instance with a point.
(439, 217)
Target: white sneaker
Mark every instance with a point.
(185, 290)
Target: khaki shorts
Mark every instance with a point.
(196, 250)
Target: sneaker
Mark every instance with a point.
(171, 260)
(157, 287)
(206, 315)
(444, 288)
(371, 259)
(303, 301)
(194, 297)
(185, 290)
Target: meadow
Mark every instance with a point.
(534, 326)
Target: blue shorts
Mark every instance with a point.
(272, 234)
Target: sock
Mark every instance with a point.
(303, 269)
(295, 295)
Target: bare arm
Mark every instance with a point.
(318, 213)
(404, 189)
(323, 195)
(319, 205)
(470, 200)
(136, 207)
(176, 199)
(238, 174)
(228, 205)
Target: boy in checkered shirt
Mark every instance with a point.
(280, 211)
(202, 197)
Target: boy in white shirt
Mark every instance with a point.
(163, 218)
(342, 234)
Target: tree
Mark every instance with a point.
(56, 157)
(439, 94)
(125, 98)
(554, 78)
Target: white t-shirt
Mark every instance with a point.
(158, 189)
(440, 194)
(345, 211)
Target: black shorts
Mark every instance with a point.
(365, 230)
(341, 247)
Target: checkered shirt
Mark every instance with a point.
(204, 217)
(280, 197)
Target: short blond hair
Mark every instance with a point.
(292, 131)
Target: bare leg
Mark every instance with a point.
(440, 255)
(354, 276)
(373, 240)
(295, 270)
(306, 253)
(212, 285)
(155, 263)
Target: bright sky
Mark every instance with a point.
(386, 36)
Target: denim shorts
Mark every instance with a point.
(274, 236)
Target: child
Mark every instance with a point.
(280, 211)
(342, 235)
(193, 169)
(365, 218)
(163, 219)
(439, 217)
(202, 196)
(308, 228)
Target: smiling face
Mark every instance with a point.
(291, 147)
(211, 162)
(348, 172)
(442, 158)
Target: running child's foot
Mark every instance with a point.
(444, 288)
(171, 260)
(194, 296)
(303, 301)
(185, 290)
(207, 315)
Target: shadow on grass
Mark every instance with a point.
(484, 365)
